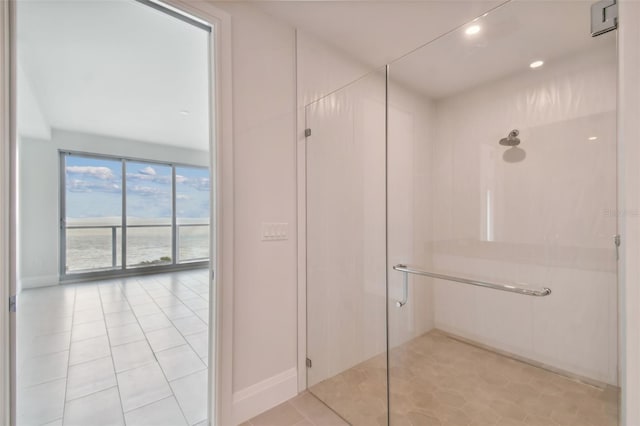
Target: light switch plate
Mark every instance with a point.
(274, 231)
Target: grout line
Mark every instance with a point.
(113, 364)
(48, 353)
(170, 284)
(88, 361)
(95, 292)
(66, 381)
(156, 358)
(190, 373)
(93, 393)
(161, 399)
(42, 383)
(193, 312)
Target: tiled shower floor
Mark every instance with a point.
(437, 380)
(122, 351)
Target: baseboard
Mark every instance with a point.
(39, 281)
(255, 399)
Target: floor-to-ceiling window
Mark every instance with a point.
(120, 213)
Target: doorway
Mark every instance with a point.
(113, 121)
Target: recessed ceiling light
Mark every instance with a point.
(536, 64)
(473, 29)
(593, 138)
(184, 112)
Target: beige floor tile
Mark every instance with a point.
(438, 380)
(282, 415)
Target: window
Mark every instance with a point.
(119, 214)
(192, 214)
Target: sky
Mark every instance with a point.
(94, 189)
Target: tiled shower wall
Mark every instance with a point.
(547, 220)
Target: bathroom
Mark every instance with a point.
(425, 214)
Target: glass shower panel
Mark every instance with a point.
(346, 251)
(502, 173)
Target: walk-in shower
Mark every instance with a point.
(449, 281)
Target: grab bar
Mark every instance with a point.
(502, 287)
(405, 290)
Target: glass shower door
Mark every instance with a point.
(502, 176)
(346, 251)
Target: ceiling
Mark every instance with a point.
(115, 68)
(143, 74)
(376, 32)
(510, 38)
(512, 35)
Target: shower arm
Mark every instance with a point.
(494, 286)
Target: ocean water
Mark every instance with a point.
(91, 248)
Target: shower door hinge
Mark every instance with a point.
(309, 363)
(12, 303)
(616, 241)
(307, 133)
(604, 17)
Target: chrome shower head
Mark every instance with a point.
(512, 139)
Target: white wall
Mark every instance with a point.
(547, 220)
(38, 189)
(31, 121)
(629, 207)
(264, 114)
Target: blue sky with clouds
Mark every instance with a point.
(94, 189)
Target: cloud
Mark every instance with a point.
(103, 173)
(202, 184)
(164, 180)
(79, 185)
(148, 174)
(197, 183)
(149, 171)
(146, 191)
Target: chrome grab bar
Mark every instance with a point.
(405, 290)
(502, 287)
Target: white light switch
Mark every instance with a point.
(274, 231)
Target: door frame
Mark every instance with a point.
(6, 252)
(221, 160)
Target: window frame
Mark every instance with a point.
(123, 269)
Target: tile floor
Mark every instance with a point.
(303, 410)
(437, 380)
(122, 351)
(134, 352)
